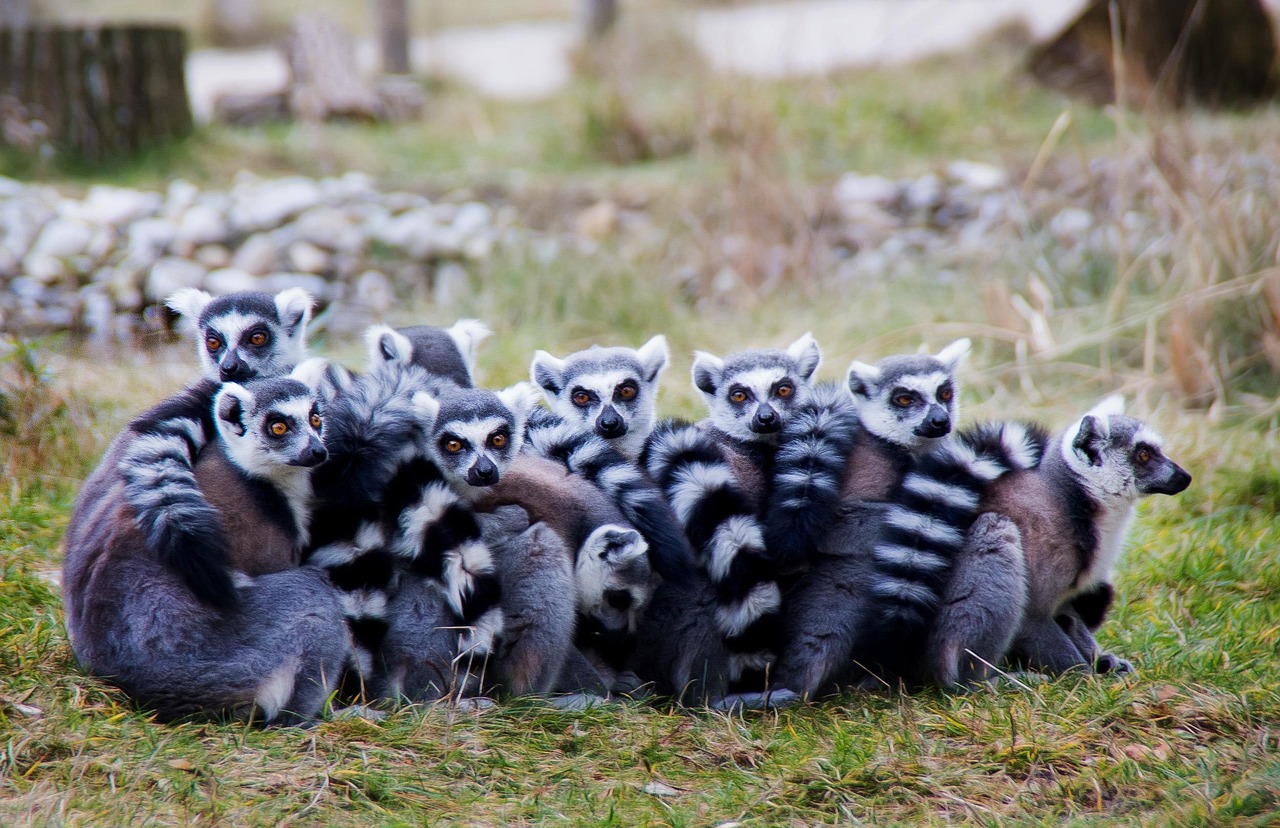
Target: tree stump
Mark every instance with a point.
(99, 91)
(1174, 53)
(326, 82)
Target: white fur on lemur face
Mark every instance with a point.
(910, 401)
(751, 394)
(610, 391)
(270, 426)
(242, 336)
(474, 434)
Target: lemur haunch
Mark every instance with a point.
(140, 623)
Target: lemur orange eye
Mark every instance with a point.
(258, 339)
(902, 400)
(498, 440)
(946, 394)
(581, 398)
(785, 391)
(627, 392)
(1142, 456)
(279, 428)
(212, 343)
(453, 446)
(315, 420)
(738, 397)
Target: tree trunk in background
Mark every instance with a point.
(597, 17)
(97, 92)
(234, 22)
(15, 13)
(1175, 53)
(326, 83)
(393, 35)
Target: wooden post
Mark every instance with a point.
(393, 35)
(101, 92)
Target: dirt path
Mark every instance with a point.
(805, 37)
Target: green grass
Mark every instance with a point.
(1194, 739)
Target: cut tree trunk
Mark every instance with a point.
(1174, 53)
(326, 83)
(98, 92)
(393, 35)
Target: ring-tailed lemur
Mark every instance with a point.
(136, 621)
(716, 476)
(240, 336)
(873, 590)
(612, 577)
(602, 412)
(1071, 513)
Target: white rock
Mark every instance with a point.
(307, 258)
(10, 265)
(147, 240)
(373, 290)
(213, 256)
(64, 237)
(226, 280)
(43, 268)
(98, 312)
(450, 285)
(10, 188)
(118, 206)
(471, 218)
(924, 193)
(103, 242)
(276, 282)
(979, 177)
(330, 228)
(413, 231)
(200, 224)
(171, 274)
(179, 198)
(477, 248)
(866, 189)
(1071, 223)
(257, 256)
(267, 204)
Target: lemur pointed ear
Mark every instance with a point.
(1089, 439)
(294, 307)
(1111, 406)
(467, 334)
(954, 354)
(231, 403)
(708, 369)
(806, 353)
(654, 356)
(862, 378)
(426, 406)
(547, 373)
(385, 344)
(189, 303)
(521, 398)
(328, 379)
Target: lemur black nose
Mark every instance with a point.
(232, 369)
(936, 424)
(609, 424)
(482, 473)
(317, 455)
(766, 421)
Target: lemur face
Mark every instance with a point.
(243, 336)
(1120, 458)
(270, 424)
(474, 434)
(909, 400)
(610, 391)
(751, 394)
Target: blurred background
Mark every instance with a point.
(1089, 189)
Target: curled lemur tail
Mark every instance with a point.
(928, 519)
(178, 523)
(639, 498)
(720, 521)
(808, 470)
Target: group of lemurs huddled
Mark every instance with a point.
(286, 532)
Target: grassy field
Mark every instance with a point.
(1194, 739)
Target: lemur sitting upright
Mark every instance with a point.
(278, 648)
(1069, 516)
(241, 336)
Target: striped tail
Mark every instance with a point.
(808, 472)
(178, 523)
(720, 521)
(926, 524)
(638, 498)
